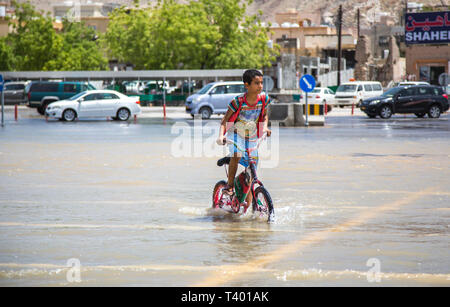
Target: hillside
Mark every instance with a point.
(368, 8)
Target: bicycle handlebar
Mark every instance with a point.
(262, 138)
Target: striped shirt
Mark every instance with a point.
(247, 120)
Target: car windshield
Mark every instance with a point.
(205, 89)
(77, 96)
(391, 92)
(349, 88)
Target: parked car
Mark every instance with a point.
(419, 99)
(411, 83)
(95, 103)
(213, 98)
(15, 93)
(353, 93)
(41, 94)
(321, 95)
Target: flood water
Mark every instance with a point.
(358, 202)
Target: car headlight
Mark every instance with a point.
(374, 101)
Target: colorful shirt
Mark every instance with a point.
(247, 120)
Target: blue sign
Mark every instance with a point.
(427, 28)
(307, 83)
(1, 83)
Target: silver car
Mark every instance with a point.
(213, 98)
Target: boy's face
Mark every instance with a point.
(256, 86)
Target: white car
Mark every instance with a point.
(321, 95)
(354, 92)
(95, 103)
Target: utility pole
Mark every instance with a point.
(357, 18)
(339, 44)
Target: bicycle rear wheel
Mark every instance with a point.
(217, 194)
(263, 204)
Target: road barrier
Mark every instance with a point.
(292, 114)
(287, 114)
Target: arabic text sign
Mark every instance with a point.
(427, 28)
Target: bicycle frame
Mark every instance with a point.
(252, 164)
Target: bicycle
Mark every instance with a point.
(262, 202)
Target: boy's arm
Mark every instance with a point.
(223, 125)
(266, 123)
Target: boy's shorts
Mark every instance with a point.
(242, 144)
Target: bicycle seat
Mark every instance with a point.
(224, 160)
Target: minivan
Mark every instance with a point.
(213, 98)
(353, 93)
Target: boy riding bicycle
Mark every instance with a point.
(247, 117)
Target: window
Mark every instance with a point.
(359, 88)
(14, 87)
(235, 89)
(70, 88)
(424, 91)
(108, 96)
(91, 97)
(88, 86)
(316, 90)
(408, 92)
(218, 90)
(436, 91)
(346, 88)
(377, 87)
(367, 87)
(44, 87)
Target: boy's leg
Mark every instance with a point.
(249, 197)
(234, 161)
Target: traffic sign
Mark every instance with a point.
(268, 84)
(1, 83)
(307, 83)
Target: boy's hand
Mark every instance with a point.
(269, 132)
(221, 140)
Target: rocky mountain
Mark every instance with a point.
(370, 10)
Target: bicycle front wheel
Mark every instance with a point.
(217, 194)
(262, 204)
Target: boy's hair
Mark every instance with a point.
(248, 75)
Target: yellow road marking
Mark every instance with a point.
(234, 272)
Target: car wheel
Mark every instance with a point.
(123, 114)
(69, 115)
(420, 115)
(205, 112)
(434, 111)
(385, 111)
(41, 109)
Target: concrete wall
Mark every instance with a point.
(427, 56)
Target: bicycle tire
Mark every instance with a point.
(267, 207)
(219, 185)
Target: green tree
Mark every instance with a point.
(7, 59)
(37, 46)
(128, 37)
(203, 34)
(34, 41)
(79, 51)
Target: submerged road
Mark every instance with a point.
(359, 202)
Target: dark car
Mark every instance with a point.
(420, 100)
(41, 94)
(15, 93)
